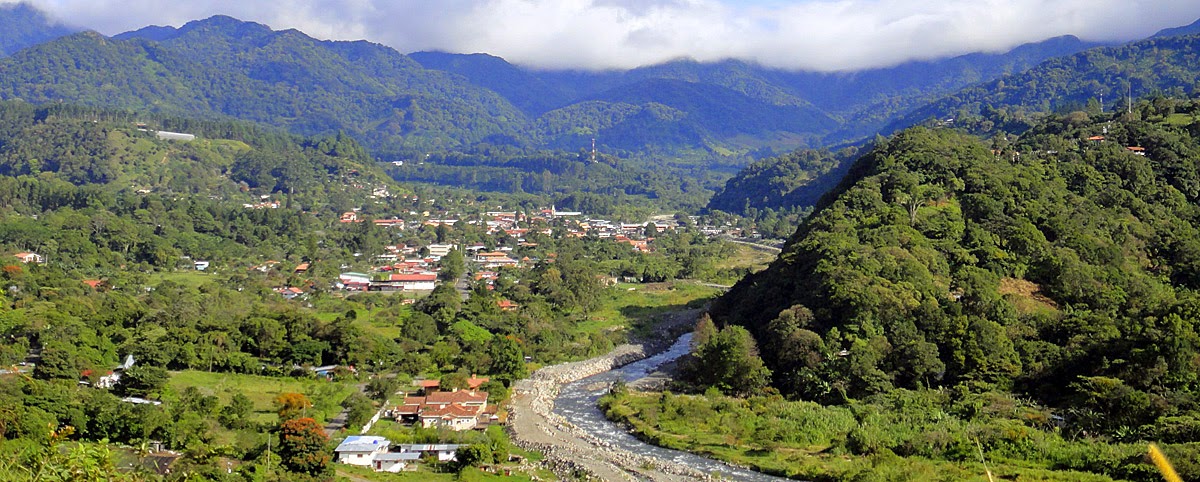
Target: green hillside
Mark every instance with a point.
(1060, 269)
(1166, 65)
(1049, 267)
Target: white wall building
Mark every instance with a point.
(361, 449)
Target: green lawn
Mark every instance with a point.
(190, 278)
(634, 306)
(1179, 119)
(372, 321)
(747, 257)
(326, 396)
(352, 473)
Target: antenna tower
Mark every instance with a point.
(593, 149)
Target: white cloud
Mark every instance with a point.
(597, 34)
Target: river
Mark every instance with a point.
(576, 402)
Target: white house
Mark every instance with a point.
(201, 265)
(406, 282)
(396, 461)
(354, 279)
(440, 250)
(361, 449)
(28, 257)
(444, 452)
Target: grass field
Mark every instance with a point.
(326, 396)
(634, 306)
(353, 473)
(747, 257)
(188, 278)
(1179, 119)
(805, 441)
(373, 321)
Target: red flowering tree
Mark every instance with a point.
(302, 446)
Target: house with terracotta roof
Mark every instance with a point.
(455, 410)
(475, 382)
(29, 257)
(453, 417)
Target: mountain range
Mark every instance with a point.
(1102, 79)
(425, 101)
(716, 116)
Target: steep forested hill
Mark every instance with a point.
(103, 152)
(1059, 267)
(793, 180)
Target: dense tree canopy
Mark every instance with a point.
(1059, 266)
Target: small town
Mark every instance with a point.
(599, 240)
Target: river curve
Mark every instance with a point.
(576, 402)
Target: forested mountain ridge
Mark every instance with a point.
(1012, 104)
(225, 67)
(1166, 65)
(22, 25)
(858, 102)
(1061, 267)
(795, 180)
(221, 67)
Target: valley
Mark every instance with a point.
(249, 246)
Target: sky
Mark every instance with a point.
(821, 35)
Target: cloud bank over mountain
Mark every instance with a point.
(820, 35)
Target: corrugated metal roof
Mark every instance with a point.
(362, 443)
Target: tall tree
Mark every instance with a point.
(508, 360)
(291, 405)
(302, 447)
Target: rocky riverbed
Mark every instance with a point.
(597, 450)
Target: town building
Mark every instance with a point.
(361, 449)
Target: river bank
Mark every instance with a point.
(570, 452)
(554, 411)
